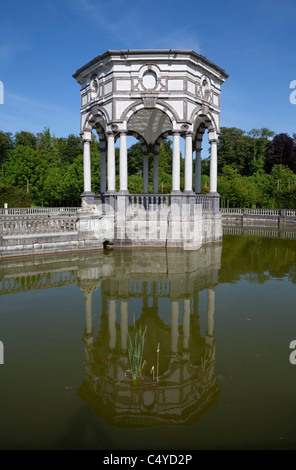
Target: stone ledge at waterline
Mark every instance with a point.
(23, 235)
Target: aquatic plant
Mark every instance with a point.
(135, 352)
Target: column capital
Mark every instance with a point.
(85, 139)
(213, 141)
(176, 132)
(188, 134)
(110, 133)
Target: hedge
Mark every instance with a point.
(15, 197)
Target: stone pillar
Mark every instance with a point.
(87, 167)
(213, 166)
(198, 168)
(112, 323)
(155, 174)
(88, 311)
(188, 163)
(103, 169)
(211, 311)
(174, 325)
(124, 323)
(176, 164)
(123, 164)
(111, 163)
(186, 322)
(145, 173)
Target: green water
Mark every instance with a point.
(222, 318)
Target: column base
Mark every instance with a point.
(189, 192)
(111, 192)
(123, 192)
(176, 192)
(87, 194)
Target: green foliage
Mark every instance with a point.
(253, 170)
(6, 146)
(286, 199)
(136, 343)
(14, 197)
(246, 153)
(236, 190)
(24, 168)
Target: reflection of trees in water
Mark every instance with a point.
(258, 259)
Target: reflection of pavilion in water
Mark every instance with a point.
(186, 386)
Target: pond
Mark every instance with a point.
(215, 371)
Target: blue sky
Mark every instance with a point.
(42, 43)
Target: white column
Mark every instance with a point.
(188, 163)
(198, 168)
(124, 323)
(211, 311)
(174, 325)
(111, 163)
(103, 169)
(213, 166)
(186, 323)
(155, 174)
(176, 163)
(112, 323)
(86, 166)
(123, 163)
(145, 173)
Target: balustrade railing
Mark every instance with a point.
(162, 202)
(39, 210)
(268, 212)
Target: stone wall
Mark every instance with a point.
(181, 223)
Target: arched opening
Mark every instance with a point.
(150, 126)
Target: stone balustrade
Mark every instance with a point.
(35, 224)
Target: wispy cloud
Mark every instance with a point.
(131, 28)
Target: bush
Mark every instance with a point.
(15, 197)
(286, 199)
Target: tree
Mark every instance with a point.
(6, 146)
(26, 168)
(26, 139)
(282, 151)
(236, 190)
(260, 143)
(235, 150)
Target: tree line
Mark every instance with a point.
(255, 168)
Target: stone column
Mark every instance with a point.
(124, 323)
(198, 168)
(174, 325)
(145, 173)
(112, 323)
(211, 312)
(188, 163)
(213, 166)
(176, 164)
(87, 167)
(123, 163)
(186, 323)
(87, 294)
(155, 173)
(111, 163)
(103, 169)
